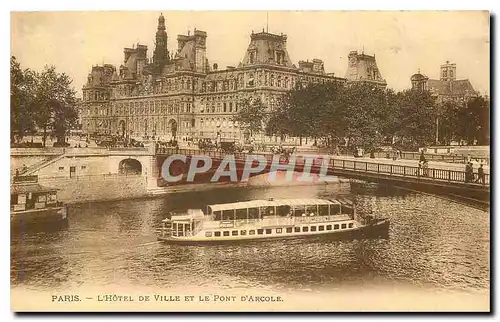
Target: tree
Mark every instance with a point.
(251, 115)
(306, 111)
(22, 86)
(417, 114)
(478, 120)
(363, 112)
(55, 103)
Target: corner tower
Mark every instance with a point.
(160, 55)
(363, 69)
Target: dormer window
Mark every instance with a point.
(252, 57)
(280, 57)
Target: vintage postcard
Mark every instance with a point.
(253, 161)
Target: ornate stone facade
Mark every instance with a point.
(181, 95)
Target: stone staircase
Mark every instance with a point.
(42, 164)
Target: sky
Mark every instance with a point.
(403, 42)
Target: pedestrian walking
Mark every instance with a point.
(426, 168)
(480, 174)
(469, 173)
(422, 156)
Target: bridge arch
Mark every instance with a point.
(130, 166)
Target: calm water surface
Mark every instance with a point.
(433, 242)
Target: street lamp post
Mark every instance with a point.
(437, 130)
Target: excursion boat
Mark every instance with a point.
(32, 203)
(270, 219)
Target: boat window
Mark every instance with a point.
(269, 231)
(350, 225)
(226, 233)
(289, 230)
(243, 232)
(321, 228)
(217, 234)
(253, 213)
(334, 209)
(335, 227)
(344, 226)
(323, 210)
(299, 211)
(251, 232)
(279, 230)
(234, 233)
(228, 214)
(260, 231)
(42, 198)
(313, 228)
(241, 214)
(305, 229)
(208, 234)
(297, 229)
(284, 210)
(268, 211)
(218, 215)
(328, 227)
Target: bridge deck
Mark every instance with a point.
(384, 169)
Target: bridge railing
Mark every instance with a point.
(406, 171)
(358, 166)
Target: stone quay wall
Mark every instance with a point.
(98, 187)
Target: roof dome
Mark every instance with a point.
(418, 77)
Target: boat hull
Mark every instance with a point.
(379, 229)
(36, 217)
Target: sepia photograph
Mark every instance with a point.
(251, 161)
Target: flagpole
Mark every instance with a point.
(267, 21)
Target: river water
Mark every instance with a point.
(432, 243)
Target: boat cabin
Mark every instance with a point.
(26, 194)
(260, 209)
(186, 225)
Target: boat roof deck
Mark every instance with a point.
(272, 203)
(30, 187)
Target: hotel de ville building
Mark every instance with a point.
(181, 95)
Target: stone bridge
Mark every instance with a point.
(433, 180)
